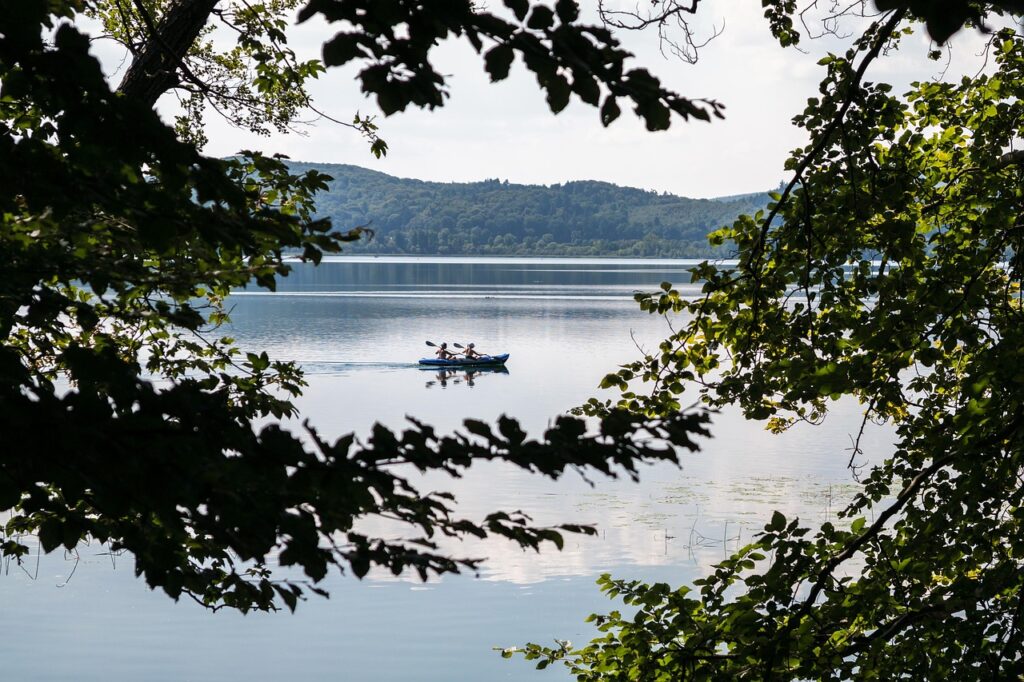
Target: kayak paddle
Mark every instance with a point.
(459, 345)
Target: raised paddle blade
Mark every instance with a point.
(458, 345)
(431, 343)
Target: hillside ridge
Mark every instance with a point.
(496, 217)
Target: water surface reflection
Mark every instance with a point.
(358, 327)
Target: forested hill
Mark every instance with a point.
(498, 218)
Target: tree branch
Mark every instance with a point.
(826, 138)
(154, 70)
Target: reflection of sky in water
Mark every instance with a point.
(360, 353)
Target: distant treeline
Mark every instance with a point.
(495, 217)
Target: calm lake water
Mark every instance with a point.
(358, 325)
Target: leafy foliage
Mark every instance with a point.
(499, 218)
(126, 417)
(257, 83)
(943, 19)
(893, 275)
(568, 58)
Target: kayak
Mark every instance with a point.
(466, 362)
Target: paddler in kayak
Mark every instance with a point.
(470, 352)
(443, 352)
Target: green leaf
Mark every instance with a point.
(519, 7)
(541, 18)
(498, 61)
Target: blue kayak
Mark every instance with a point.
(466, 362)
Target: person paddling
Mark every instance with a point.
(470, 352)
(443, 352)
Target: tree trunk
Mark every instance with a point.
(154, 70)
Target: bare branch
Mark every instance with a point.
(668, 17)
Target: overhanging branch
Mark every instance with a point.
(154, 70)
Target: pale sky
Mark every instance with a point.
(505, 130)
